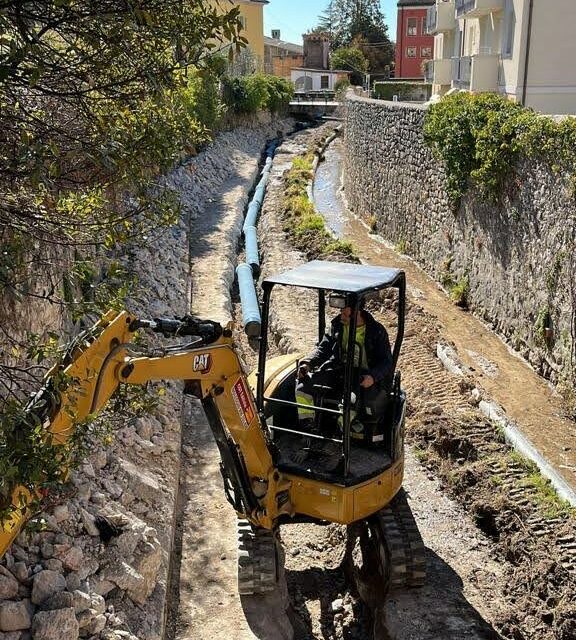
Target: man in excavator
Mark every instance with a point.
(322, 372)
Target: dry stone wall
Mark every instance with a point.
(519, 255)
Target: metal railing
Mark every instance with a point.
(431, 19)
(463, 6)
(462, 72)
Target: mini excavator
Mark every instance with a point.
(345, 477)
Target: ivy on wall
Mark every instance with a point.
(480, 137)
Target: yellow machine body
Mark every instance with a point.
(101, 362)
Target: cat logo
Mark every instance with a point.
(202, 362)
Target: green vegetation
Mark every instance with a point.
(544, 493)
(404, 90)
(458, 289)
(480, 137)
(460, 292)
(542, 326)
(361, 24)
(350, 59)
(401, 246)
(96, 100)
(341, 87)
(249, 94)
(303, 224)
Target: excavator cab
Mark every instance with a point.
(351, 441)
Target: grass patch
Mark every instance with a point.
(401, 246)
(544, 495)
(460, 292)
(303, 224)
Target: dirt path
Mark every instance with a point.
(525, 397)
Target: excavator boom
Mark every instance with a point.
(99, 360)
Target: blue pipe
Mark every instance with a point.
(259, 193)
(249, 301)
(252, 256)
(251, 215)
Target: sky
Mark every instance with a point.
(295, 17)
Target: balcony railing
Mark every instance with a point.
(475, 73)
(440, 17)
(461, 72)
(441, 71)
(477, 8)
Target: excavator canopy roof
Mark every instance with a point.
(338, 276)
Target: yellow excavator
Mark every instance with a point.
(355, 481)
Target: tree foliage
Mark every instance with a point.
(359, 23)
(96, 96)
(350, 59)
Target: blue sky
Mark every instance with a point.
(295, 17)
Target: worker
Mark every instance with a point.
(373, 364)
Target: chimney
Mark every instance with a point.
(316, 50)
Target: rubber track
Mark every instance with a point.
(257, 559)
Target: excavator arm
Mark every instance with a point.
(101, 359)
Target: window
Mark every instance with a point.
(426, 52)
(411, 52)
(508, 29)
(324, 82)
(423, 26)
(412, 27)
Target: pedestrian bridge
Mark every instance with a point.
(313, 106)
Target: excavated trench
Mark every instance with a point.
(499, 565)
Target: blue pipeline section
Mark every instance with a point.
(250, 309)
(251, 215)
(247, 272)
(251, 244)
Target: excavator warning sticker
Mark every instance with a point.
(242, 402)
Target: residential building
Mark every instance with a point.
(523, 49)
(414, 45)
(315, 74)
(252, 19)
(281, 57)
(306, 80)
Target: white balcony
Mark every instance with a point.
(477, 8)
(439, 71)
(441, 17)
(478, 73)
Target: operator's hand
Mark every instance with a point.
(366, 381)
(303, 370)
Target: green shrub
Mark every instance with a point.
(480, 137)
(404, 90)
(249, 94)
(340, 87)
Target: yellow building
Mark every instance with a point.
(252, 18)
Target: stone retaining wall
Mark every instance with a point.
(518, 256)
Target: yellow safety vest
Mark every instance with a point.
(359, 349)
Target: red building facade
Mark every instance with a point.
(413, 45)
